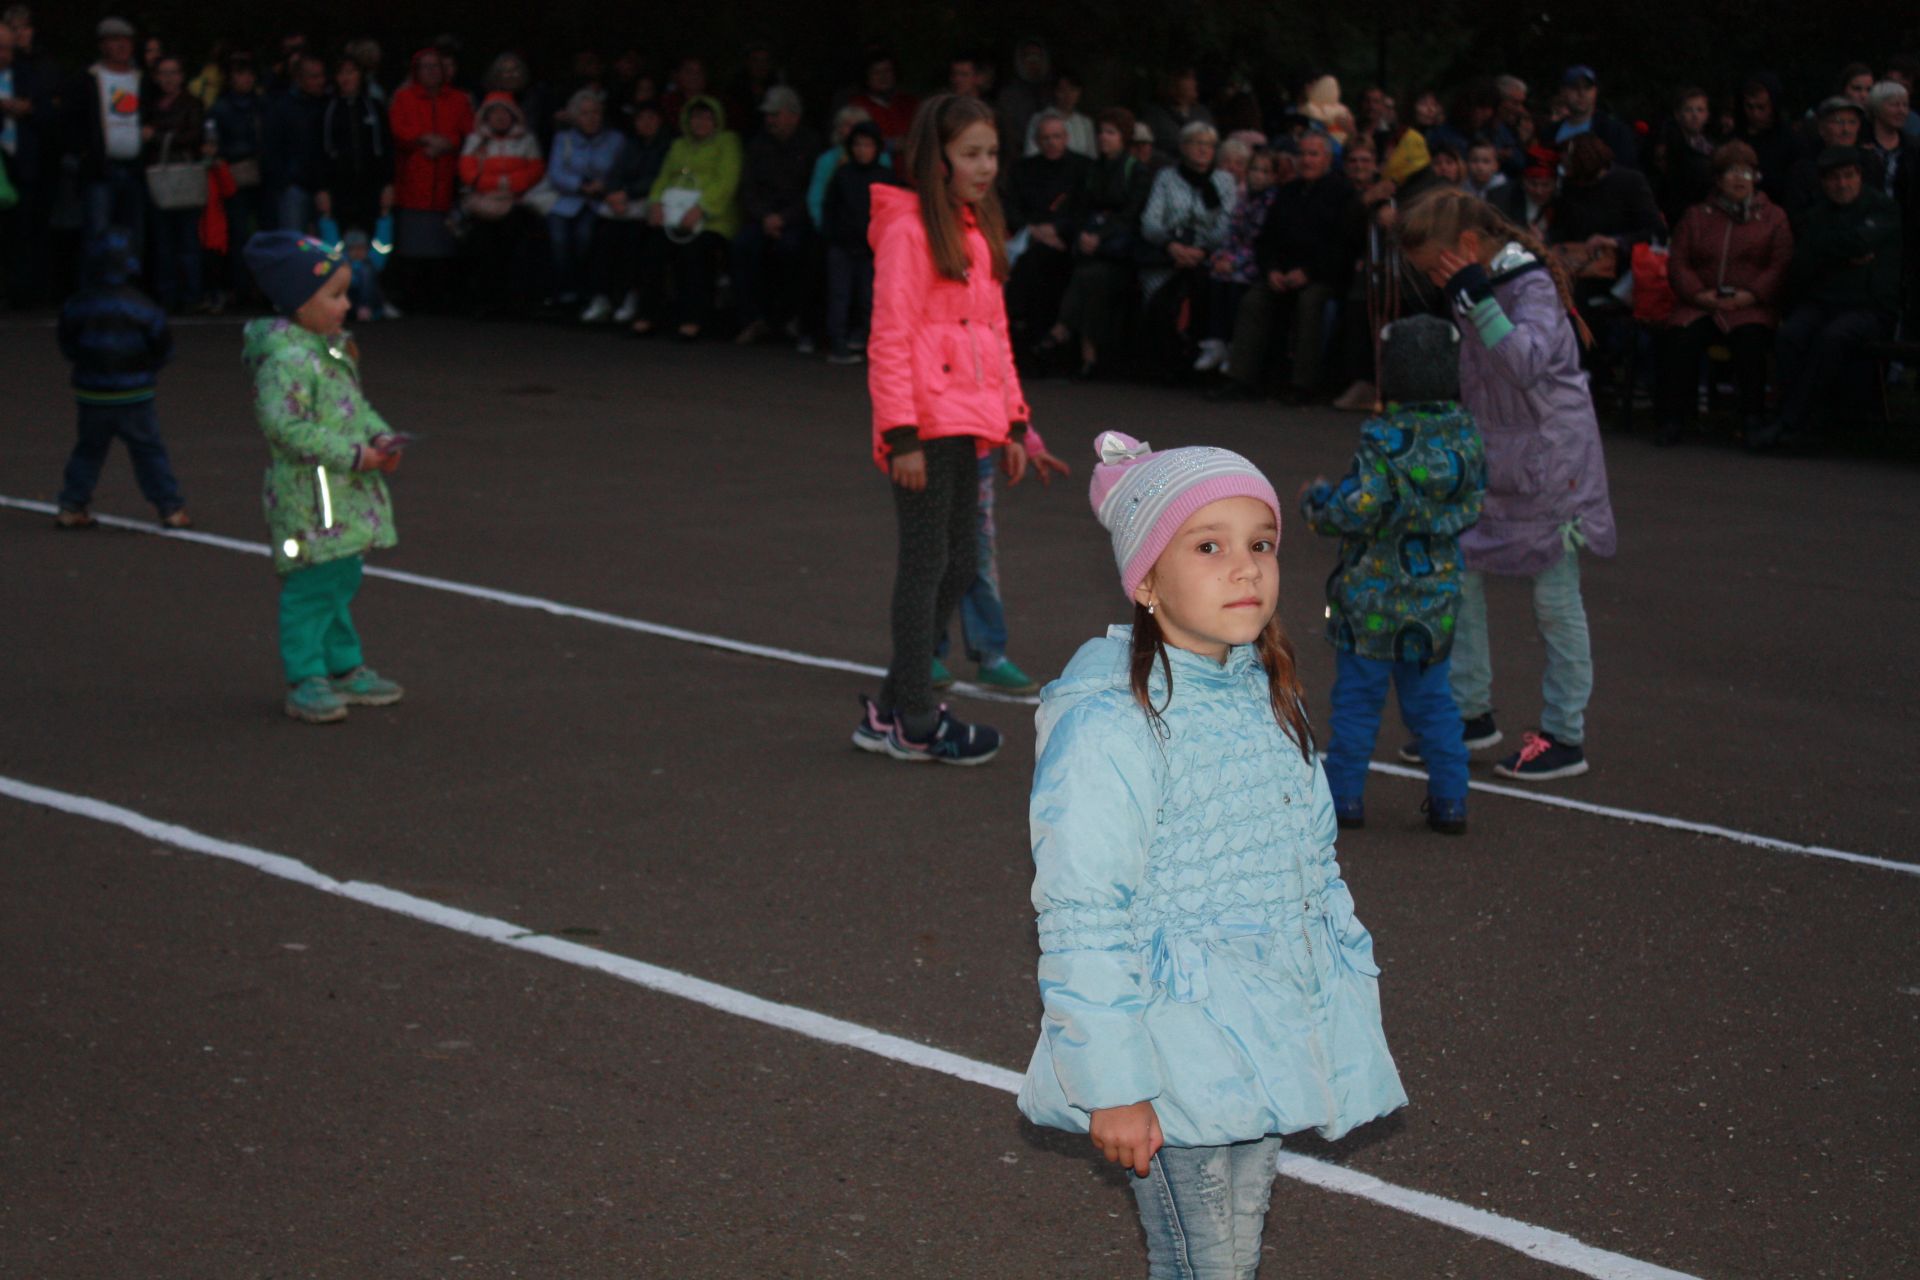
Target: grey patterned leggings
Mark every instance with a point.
(937, 559)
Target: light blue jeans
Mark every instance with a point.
(1562, 619)
(983, 618)
(1203, 1209)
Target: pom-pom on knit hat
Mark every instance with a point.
(290, 268)
(1142, 497)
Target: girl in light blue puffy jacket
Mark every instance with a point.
(1206, 985)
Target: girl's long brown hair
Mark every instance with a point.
(1274, 650)
(1440, 217)
(939, 121)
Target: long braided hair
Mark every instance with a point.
(1440, 217)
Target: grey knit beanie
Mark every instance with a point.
(1419, 361)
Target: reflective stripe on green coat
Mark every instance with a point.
(309, 405)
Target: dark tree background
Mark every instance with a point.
(1643, 49)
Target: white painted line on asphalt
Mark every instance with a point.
(964, 688)
(1540, 1243)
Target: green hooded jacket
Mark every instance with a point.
(712, 166)
(308, 401)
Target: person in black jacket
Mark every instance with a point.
(1105, 212)
(356, 151)
(117, 339)
(1841, 122)
(1602, 211)
(295, 164)
(1680, 162)
(844, 215)
(774, 243)
(1041, 199)
(1763, 126)
(1580, 95)
(1304, 256)
(1846, 276)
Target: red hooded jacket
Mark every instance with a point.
(421, 181)
(938, 355)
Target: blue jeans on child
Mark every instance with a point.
(849, 295)
(137, 424)
(1203, 1209)
(983, 619)
(1359, 695)
(1562, 619)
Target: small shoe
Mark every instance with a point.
(953, 742)
(1004, 677)
(75, 518)
(1477, 734)
(599, 310)
(176, 519)
(752, 333)
(847, 356)
(390, 312)
(641, 328)
(1213, 353)
(313, 701)
(871, 733)
(629, 308)
(805, 345)
(365, 687)
(688, 333)
(1351, 812)
(942, 678)
(1541, 759)
(1448, 817)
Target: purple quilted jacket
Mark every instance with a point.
(1546, 476)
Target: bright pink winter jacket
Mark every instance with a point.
(938, 357)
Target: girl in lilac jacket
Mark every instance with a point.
(1546, 499)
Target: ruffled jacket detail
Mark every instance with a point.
(1198, 946)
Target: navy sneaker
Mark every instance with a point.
(875, 725)
(1479, 733)
(1541, 759)
(953, 742)
(1448, 817)
(1351, 813)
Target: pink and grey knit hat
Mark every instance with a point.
(1143, 497)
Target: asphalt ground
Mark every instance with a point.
(1684, 1049)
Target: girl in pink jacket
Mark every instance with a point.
(941, 374)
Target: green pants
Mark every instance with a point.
(316, 630)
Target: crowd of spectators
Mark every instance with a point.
(1217, 236)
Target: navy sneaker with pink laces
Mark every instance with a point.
(875, 725)
(1541, 759)
(953, 742)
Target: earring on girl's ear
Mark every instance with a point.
(1152, 607)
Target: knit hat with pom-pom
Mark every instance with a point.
(1142, 497)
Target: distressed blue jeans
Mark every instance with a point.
(1561, 617)
(1203, 1209)
(983, 618)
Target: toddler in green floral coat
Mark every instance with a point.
(326, 498)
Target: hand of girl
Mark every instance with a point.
(1046, 466)
(1128, 1135)
(910, 471)
(1449, 265)
(1013, 461)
